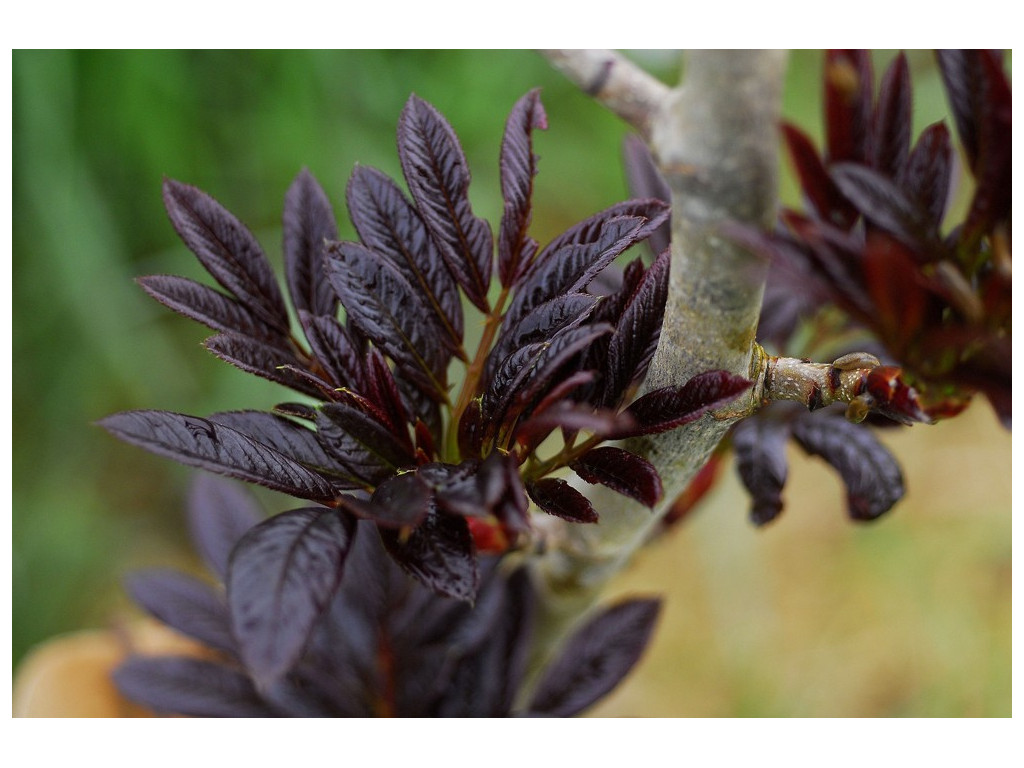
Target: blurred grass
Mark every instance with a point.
(93, 134)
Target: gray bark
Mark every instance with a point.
(715, 141)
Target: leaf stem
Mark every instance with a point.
(538, 469)
(476, 368)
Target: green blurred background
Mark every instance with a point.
(813, 616)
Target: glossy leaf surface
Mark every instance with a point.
(622, 471)
(228, 251)
(438, 177)
(308, 225)
(206, 445)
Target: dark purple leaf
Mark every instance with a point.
(439, 553)
(655, 213)
(382, 390)
(962, 76)
(438, 177)
(636, 334)
(263, 360)
(388, 309)
(361, 443)
(849, 83)
(289, 439)
(622, 471)
(281, 577)
(646, 182)
(572, 267)
(890, 140)
(398, 502)
(558, 498)
(571, 416)
(421, 406)
(566, 387)
(815, 181)
(201, 443)
(595, 658)
(471, 429)
(551, 365)
(480, 489)
(528, 376)
(927, 173)
(608, 311)
(826, 256)
(489, 651)
(507, 376)
(210, 307)
(191, 687)
(389, 225)
(184, 603)
(883, 203)
(542, 323)
(308, 225)
(219, 512)
(760, 446)
(500, 491)
(545, 320)
(518, 164)
(993, 169)
(671, 407)
(872, 477)
(893, 281)
(228, 251)
(335, 350)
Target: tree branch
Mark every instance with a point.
(614, 81)
(857, 379)
(715, 140)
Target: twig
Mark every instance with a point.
(614, 81)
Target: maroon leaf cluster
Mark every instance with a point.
(875, 240)
(868, 470)
(364, 641)
(382, 434)
(874, 244)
